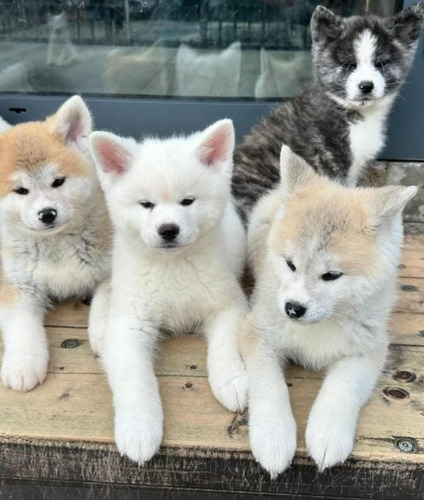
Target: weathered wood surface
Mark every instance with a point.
(68, 421)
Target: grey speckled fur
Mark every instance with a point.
(315, 125)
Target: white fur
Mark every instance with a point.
(3, 125)
(367, 136)
(39, 263)
(343, 330)
(365, 48)
(192, 285)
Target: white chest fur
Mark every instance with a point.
(367, 137)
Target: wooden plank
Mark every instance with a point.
(66, 408)
(406, 329)
(410, 296)
(77, 407)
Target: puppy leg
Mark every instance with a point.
(97, 320)
(332, 422)
(227, 374)
(128, 356)
(272, 428)
(26, 354)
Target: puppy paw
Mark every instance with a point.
(230, 387)
(95, 338)
(273, 444)
(22, 372)
(138, 435)
(329, 442)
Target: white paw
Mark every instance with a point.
(95, 337)
(138, 435)
(329, 440)
(273, 444)
(230, 386)
(22, 372)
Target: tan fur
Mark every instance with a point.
(30, 146)
(248, 337)
(339, 218)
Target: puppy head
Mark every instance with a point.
(46, 172)
(166, 192)
(332, 248)
(361, 59)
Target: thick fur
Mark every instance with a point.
(332, 125)
(41, 262)
(304, 229)
(189, 283)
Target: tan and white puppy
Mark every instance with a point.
(325, 260)
(179, 247)
(54, 233)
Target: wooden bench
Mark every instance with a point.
(57, 440)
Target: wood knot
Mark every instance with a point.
(71, 343)
(395, 393)
(409, 288)
(405, 376)
(188, 385)
(406, 445)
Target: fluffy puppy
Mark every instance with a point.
(179, 248)
(325, 261)
(54, 233)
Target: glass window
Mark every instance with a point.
(233, 49)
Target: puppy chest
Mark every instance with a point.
(66, 268)
(366, 140)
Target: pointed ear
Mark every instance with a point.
(295, 173)
(217, 144)
(325, 25)
(72, 121)
(390, 200)
(112, 154)
(407, 24)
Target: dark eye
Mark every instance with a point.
(381, 64)
(58, 182)
(349, 66)
(187, 201)
(21, 190)
(147, 204)
(291, 265)
(331, 276)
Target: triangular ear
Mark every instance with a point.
(112, 154)
(407, 24)
(217, 144)
(325, 25)
(295, 173)
(390, 200)
(72, 122)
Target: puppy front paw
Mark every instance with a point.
(273, 444)
(138, 435)
(22, 372)
(95, 338)
(230, 386)
(329, 440)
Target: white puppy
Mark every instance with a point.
(325, 259)
(179, 247)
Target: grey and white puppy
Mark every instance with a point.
(338, 124)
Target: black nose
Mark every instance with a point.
(366, 87)
(294, 310)
(47, 215)
(168, 231)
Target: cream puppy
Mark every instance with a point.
(325, 260)
(55, 240)
(179, 248)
